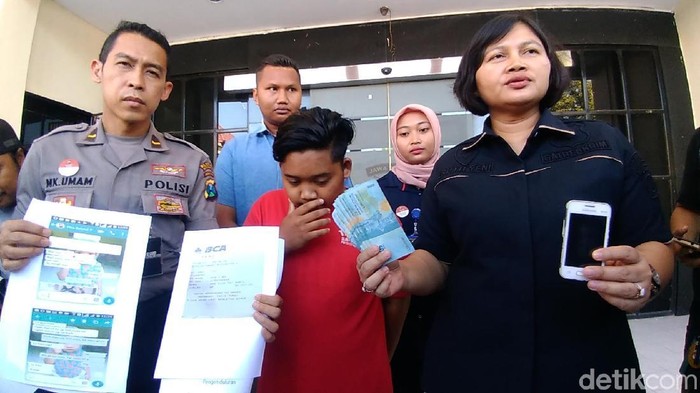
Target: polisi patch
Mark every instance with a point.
(182, 188)
(169, 205)
(169, 170)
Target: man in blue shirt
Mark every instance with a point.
(245, 168)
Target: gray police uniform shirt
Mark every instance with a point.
(166, 180)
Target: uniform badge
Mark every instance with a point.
(402, 211)
(210, 189)
(65, 199)
(91, 136)
(68, 167)
(155, 143)
(169, 170)
(415, 214)
(169, 205)
(207, 169)
(210, 192)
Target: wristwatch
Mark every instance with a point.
(655, 282)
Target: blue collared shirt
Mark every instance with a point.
(245, 170)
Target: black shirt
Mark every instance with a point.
(508, 322)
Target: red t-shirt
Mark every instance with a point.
(331, 336)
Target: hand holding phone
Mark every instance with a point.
(586, 228)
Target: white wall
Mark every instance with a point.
(17, 21)
(59, 66)
(687, 14)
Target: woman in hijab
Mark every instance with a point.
(415, 138)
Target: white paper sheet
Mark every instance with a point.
(68, 317)
(210, 333)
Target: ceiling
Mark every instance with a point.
(192, 20)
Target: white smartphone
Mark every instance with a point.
(586, 228)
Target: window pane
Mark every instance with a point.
(199, 105)
(458, 128)
(368, 165)
(435, 94)
(31, 131)
(168, 117)
(642, 85)
(233, 115)
(354, 101)
(203, 141)
(617, 121)
(650, 140)
(573, 100)
(370, 134)
(602, 69)
(663, 188)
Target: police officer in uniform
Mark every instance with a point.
(124, 164)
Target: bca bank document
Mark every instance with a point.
(211, 342)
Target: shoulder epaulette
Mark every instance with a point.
(80, 127)
(183, 142)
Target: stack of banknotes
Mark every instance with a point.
(366, 218)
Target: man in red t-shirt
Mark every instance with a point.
(332, 335)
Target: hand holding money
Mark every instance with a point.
(376, 276)
(366, 218)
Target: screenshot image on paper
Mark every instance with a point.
(68, 348)
(83, 263)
